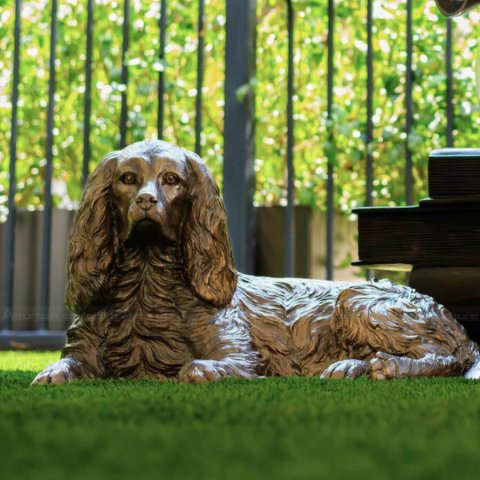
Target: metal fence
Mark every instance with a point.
(238, 138)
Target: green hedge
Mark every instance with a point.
(311, 127)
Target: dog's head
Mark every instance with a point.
(150, 193)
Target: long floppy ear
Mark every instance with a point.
(92, 241)
(206, 245)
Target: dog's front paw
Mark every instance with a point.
(201, 371)
(63, 371)
(350, 368)
(385, 366)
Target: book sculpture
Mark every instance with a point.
(438, 240)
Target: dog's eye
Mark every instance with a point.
(128, 178)
(170, 179)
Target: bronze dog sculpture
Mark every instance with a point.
(155, 293)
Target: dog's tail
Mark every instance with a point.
(474, 371)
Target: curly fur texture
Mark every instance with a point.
(156, 295)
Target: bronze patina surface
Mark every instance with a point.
(156, 295)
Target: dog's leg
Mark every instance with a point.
(385, 366)
(64, 370)
(400, 332)
(225, 350)
(350, 368)
(201, 371)
(81, 358)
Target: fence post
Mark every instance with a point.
(239, 135)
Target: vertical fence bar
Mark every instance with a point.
(408, 108)
(88, 93)
(162, 24)
(449, 72)
(9, 257)
(47, 214)
(239, 131)
(289, 213)
(125, 44)
(200, 61)
(331, 140)
(369, 126)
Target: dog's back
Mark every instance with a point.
(290, 322)
(300, 327)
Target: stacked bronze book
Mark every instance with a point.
(438, 240)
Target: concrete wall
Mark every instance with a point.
(310, 243)
(310, 256)
(28, 234)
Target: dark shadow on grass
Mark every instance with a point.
(23, 378)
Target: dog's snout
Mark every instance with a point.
(146, 200)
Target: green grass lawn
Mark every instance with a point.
(293, 428)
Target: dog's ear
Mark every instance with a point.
(92, 241)
(206, 245)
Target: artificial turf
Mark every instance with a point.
(277, 428)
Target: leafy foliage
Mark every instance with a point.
(310, 103)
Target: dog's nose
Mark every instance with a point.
(146, 200)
